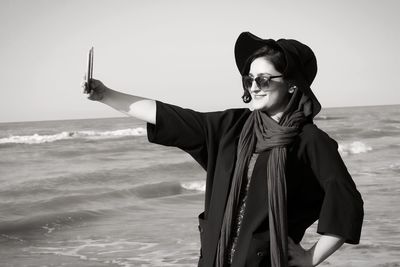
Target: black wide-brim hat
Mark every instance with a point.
(301, 63)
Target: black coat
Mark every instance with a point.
(318, 183)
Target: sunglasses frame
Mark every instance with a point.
(261, 85)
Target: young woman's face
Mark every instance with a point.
(274, 98)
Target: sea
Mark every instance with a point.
(95, 192)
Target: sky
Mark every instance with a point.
(181, 51)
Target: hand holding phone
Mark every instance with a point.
(94, 88)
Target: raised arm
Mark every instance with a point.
(134, 106)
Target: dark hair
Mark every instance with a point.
(274, 55)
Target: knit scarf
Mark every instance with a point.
(260, 133)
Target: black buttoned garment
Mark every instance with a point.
(319, 187)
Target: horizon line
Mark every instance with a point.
(120, 117)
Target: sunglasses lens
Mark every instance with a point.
(247, 82)
(263, 82)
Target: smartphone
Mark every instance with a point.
(89, 74)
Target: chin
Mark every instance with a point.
(262, 106)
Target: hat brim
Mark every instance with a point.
(246, 44)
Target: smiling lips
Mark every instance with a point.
(259, 96)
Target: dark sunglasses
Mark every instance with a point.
(261, 81)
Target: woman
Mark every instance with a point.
(271, 172)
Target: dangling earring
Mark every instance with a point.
(246, 97)
(291, 89)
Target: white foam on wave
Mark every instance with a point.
(195, 185)
(121, 252)
(40, 139)
(322, 117)
(10, 237)
(355, 147)
(95, 250)
(395, 166)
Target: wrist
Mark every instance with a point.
(105, 95)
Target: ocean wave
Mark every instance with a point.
(99, 252)
(124, 252)
(195, 185)
(355, 147)
(93, 135)
(395, 167)
(327, 118)
(46, 223)
(91, 200)
(380, 132)
(48, 215)
(117, 182)
(390, 121)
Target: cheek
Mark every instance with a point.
(272, 99)
(280, 96)
(266, 101)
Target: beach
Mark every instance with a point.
(95, 192)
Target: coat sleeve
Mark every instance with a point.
(184, 128)
(342, 208)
